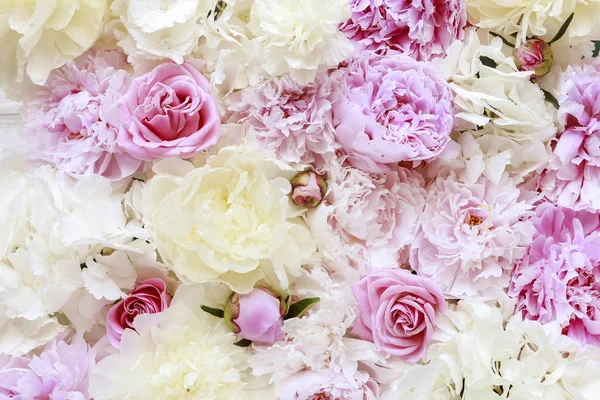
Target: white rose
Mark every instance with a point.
(39, 35)
(231, 220)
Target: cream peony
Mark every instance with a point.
(182, 353)
(230, 220)
(541, 18)
(157, 28)
(40, 35)
(299, 37)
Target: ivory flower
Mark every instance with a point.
(297, 38)
(231, 220)
(180, 354)
(38, 36)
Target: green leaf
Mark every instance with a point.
(563, 29)
(551, 99)
(488, 62)
(213, 311)
(243, 343)
(297, 309)
(506, 42)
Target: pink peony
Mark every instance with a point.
(471, 236)
(308, 189)
(256, 316)
(534, 55)
(573, 176)
(59, 372)
(559, 279)
(289, 119)
(392, 109)
(422, 29)
(169, 112)
(397, 311)
(368, 220)
(326, 385)
(149, 297)
(74, 123)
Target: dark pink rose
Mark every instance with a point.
(168, 112)
(149, 297)
(256, 316)
(397, 311)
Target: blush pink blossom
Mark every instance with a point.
(59, 372)
(256, 316)
(422, 29)
(148, 297)
(368, 219)
(471, 236)
(326, 385)
(289, 119)
(392, 109)
(169, 112)
(559, 279)
(573, 176)
(74, 123)
(397, 311)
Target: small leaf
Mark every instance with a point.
(506, 42)
(213, 311)
(297, 309)
(488, 62)
(243, 343)
(551, 99)
(563, 29)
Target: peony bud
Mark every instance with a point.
(534, 55)
(256, 316)
(308, 189)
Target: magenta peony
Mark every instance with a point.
(534, 55)
(573, 177)
(169, 112)
(61, 371)
(392, 109)
(471, 236)
(256, 316)
(289, 119)
(397, 311)
(422, 29)
(74, 123)
(149, 297)
(559, 279)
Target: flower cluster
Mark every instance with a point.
(300, 200)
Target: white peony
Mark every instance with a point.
(39, 35)
(297, 38)
(230, 220)
(504, 112)
(489, 356)
(182, 353)
(157, 28)
(51, 224)
(541, 18)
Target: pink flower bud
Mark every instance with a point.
(534, 55)
(149, 297)
(256, 316)
(308, 189)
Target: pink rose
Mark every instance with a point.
(169, 112)
(149, 297)
(256, 316)
(397, 311)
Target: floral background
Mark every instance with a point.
(300, 200)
